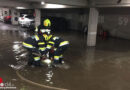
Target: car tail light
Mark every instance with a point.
(22, 18)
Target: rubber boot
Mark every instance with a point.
(30, 61)
(61, 61)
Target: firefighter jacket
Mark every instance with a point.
(56, 42)
(37, 43)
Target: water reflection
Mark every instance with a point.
(49, 76)
(89, 58)
(20, 55)
(16, 47)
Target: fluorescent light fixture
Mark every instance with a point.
(42, 3)
(54, 6)
(20, 7)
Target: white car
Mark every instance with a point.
(26, 21)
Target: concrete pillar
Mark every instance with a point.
(1, 14)
(5, 12)
(15, 15)
(37, 17)
(92, 27)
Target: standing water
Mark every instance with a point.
(104, 67)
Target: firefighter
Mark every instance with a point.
(56, 46)
(36, 45)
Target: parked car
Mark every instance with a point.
(26, 21)
(7, 19)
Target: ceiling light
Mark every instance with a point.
(20, 7)
(42, 3)
(54, 6)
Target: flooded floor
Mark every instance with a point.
(104, 67)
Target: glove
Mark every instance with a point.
(51, 50)
(44, 57)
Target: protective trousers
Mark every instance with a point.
(58, 53)
(33, 59)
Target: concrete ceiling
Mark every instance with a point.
(110, 3)
(64, 2)
(37, 3)
(69, 3)
(14, 3)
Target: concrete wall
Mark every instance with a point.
(3, 12)
(116, 21)
(15, 15)
(77, 18)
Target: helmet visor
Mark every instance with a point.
(45, 30)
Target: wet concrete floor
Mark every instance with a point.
(104, 67)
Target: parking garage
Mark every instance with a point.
(98, 55)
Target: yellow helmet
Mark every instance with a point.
(47, 23)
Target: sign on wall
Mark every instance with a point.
(123, 21)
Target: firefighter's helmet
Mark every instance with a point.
(45, 27)
(47, 23)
